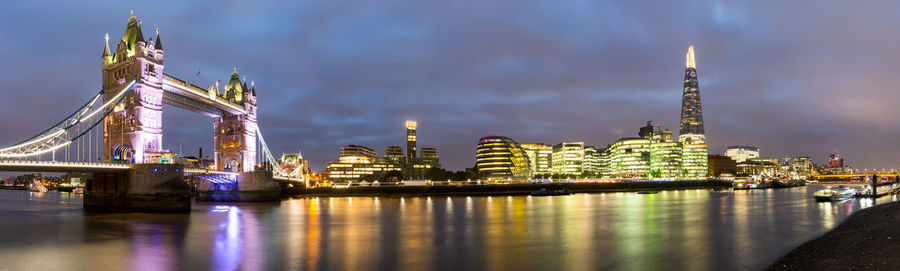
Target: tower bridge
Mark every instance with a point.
(117, 134)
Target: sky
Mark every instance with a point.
(790, 77)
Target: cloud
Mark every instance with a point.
(790, 78)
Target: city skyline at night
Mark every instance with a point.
(333, 75)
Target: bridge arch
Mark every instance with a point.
(122, 154)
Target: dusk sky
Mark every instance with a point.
(788, 77)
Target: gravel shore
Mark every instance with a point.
(867, 240)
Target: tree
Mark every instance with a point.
(438, 174)
(459, 176)
(471, 174)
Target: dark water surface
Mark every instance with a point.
(672, 230)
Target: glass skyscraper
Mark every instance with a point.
(695, 163)
(691, 130)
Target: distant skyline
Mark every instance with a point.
(792, 78)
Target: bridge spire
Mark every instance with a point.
(158, 45)
(690, 62)
(106, 52)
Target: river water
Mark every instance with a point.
(672, 230)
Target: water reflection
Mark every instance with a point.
(682, 230)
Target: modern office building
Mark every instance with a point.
(759, 167)
(691, 134)
(663, 136)
(568, 158)
(665, 159)
(604, 161)
(721, 166)
(410, 139)
(802, 167)
(501, 159)
(835, 166)
(539, 157)
(694, 161)
(355, 164)
(394, 154)
(592, 164)
(691, 130)
(630, 158)
(835, 160)
(742, 153)
(430, 156)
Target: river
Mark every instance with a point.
(673, 230)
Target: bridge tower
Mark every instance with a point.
(133, 132)
(235, 140)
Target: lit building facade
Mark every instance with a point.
(394, 155)
(835, 166)
(742, 153)
(630, 158)
(721, 166)
(802, 167)
(410, 139)
(539, 157)
(568, 158)
(694, 161)
(592, 164)
(759, 167)
(604, 161)
(430, 156)
(500, 158)
(691, 134)
(355, 164)
(665, 159)
(835, 160)
(691, 130)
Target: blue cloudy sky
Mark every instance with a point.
(791, 77)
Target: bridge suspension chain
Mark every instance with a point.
(78, 129)
(277, 170)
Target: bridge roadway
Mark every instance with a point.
(185, 95)
(45, 166)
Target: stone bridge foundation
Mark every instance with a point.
(250, 187)
(143, 188)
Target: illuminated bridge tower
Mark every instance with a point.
(695, 152)
(236, 134)
(133, 132)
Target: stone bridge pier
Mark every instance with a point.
(143, 188)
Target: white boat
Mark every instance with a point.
(835, 193)
(36, 186)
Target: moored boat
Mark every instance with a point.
(36, 186)
(834, 193)
(552, 192)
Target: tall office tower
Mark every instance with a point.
(695, 153)
(691, 114)
(835, 160)
(410, 140)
